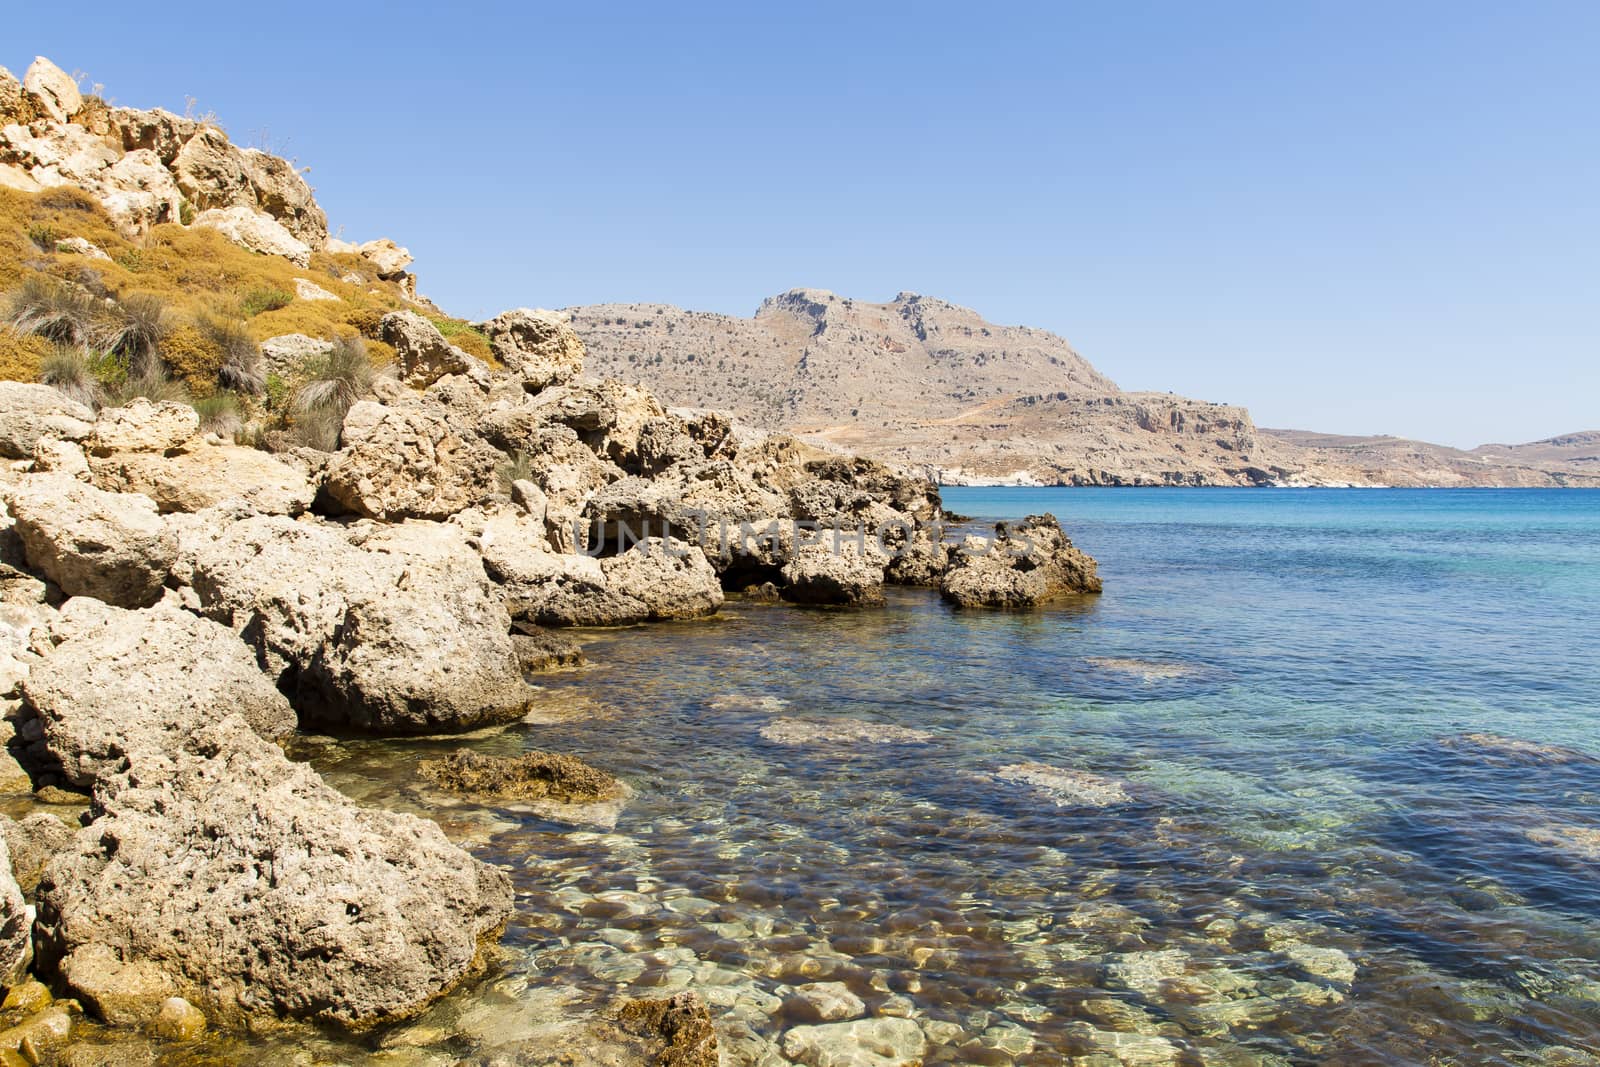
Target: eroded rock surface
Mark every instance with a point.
(1023, 565)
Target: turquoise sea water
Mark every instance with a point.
(1345, 805)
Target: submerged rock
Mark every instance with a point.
(1064, 786)
(539, 649)
(788, 731)
(245, 884)
(1022, 565)
(882, 1042)
(681, 1023)
(1493, 748)
(532, 776)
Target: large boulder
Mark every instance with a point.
(539, 347)
(139, 192)
(53, 89)
(1024, 564)
(422, 353)
(835, 570)
(654, 580)
(117, 686)
(248, 886)
(257, 232)
(410, 463)
(16, 924)
(29, 412)
(386, 257)
(111, 546)
(390, 629)
(156, 130)
(204, 476)
(141, 426)
(34, 841)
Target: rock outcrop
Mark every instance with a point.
(655, 580)
(249, 887)
(530, 776)
(16, 924)
(1023, 565)
(539, 347)
(410, 463)
(31, 412)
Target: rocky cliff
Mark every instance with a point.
(925, 382)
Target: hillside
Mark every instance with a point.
(925, 382)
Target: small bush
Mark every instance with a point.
(132, 261)
(256, 301)
(277, 391)
(193, 356)
(44, 237)
(55, 310)
(366, 321)
(317, 428)
(136, 327)
(185, 212)
(219, 413)
(69, 198)
(465, 336)
(337, 380)
(153, 385)
(86, 376)
(241, 356)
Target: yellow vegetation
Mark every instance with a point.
(194, 356)
(21, 355)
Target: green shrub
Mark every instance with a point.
(219, 413)
(241, 356)
(277, 391)
(337, 380)
(135, 327)
(153, 384)
(43, 236)
(257, 301)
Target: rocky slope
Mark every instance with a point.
(924, 382)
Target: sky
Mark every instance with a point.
(1355, 217)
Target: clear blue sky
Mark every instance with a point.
(1353, 216)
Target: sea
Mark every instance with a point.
(1316, 780)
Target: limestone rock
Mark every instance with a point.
(33, 842)
(111, 546)
(53, 88)
(1021, 566)
(402, 633)
(287, 354)
(121, 992)
(682, 1024)
(539, 347)
(14, 177)
(281, 192)
(825, 1002)
(57, 155)
(305, 289)
(258, 891)
(250, 229)
(213, 174)
(30, 412)
(204, 476)
(178, 1020)
(388, 258)
(668, 578)
(121, 687)
(654, 580)
(141, 426)
(79, 246)
(138, 192)
(16, 925)
(832, 572)
(531, 776)
(11, 105)
(539, 649)
(411, 464)
(156, 130)
(423, 354)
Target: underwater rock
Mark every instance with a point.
(1064, 786)
(883, 1042)
(788, 731)
(1493, 748)
(531, 776)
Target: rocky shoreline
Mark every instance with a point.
(177, 608)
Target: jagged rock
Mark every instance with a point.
(257, 891)
(155, 130)
(57, 154)
(80, 246)
(654, 580)
(14, 177)
(204, 477)
(111, 546)
(53, 88)
(214, 176)
(121, 992)
(409, 464)
(709, 504)
(565, 469)
(423, 355)
(539, 347)
(682, 1024)
(33, 842)
(1022, 565)
(11, 105)
(250, 229)
(16, 924)
(530, 776)
(30, 412)
(281, 192)
(388, 258)
(141, 426)
(309, 290)
(835, 572)
(124, 686)
(401, 633)
(138, 192)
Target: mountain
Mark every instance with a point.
(929, 383)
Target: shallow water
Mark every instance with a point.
(1285, 848)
